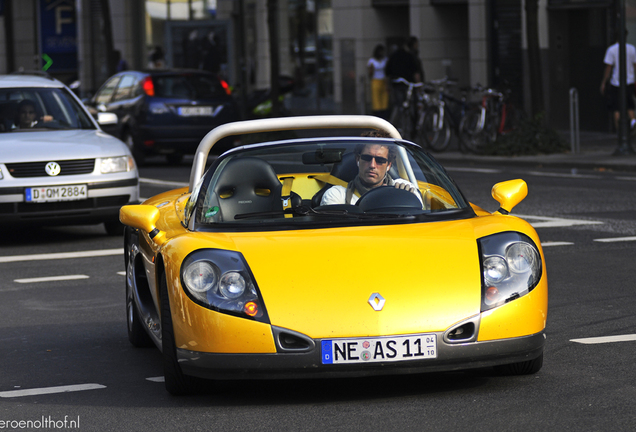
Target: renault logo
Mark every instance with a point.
(52, 169)
(376, 301)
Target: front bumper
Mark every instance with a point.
(103, 204)
(450, 357)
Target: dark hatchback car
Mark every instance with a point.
(165, 112)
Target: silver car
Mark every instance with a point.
(57, 167)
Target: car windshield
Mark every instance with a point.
(187, 86)
(31, 109)
(336, 181)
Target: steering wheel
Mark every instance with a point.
(388, 199)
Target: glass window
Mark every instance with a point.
(105, 94)
(287, 184)
(125, 88)
(30, 109)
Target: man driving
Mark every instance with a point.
(27, 115)
(374, 162)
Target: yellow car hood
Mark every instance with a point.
(318, 282)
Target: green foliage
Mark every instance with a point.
(532, 136)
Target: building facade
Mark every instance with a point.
(323, 45)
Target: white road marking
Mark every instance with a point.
(560, 175)
(552, 222)
(605, 339)
(475, 170)
(50, 390)
(51, 279)
(121, 273)
(158, 379)
(548, 244)
(163, 183)
(62, 255)
(626, 178)
(615, 239)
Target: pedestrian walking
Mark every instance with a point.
(379, 86)
(612, 73)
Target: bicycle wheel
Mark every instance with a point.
(435, 130)
(472, 136)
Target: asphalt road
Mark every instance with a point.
(65, 357)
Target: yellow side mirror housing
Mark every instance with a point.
(143, 217)
(509, 193)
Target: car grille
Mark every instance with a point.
(37, 169)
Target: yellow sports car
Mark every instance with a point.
(328, 257)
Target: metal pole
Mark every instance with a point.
(575, 142)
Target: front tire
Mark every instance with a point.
(136, 332)
(176, 382)
(529, 367)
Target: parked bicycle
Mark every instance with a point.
(405, 115)
(443, 114)
(495, 116)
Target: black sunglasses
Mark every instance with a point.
(378, 159)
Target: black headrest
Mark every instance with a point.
(346, 169)
(247, 185)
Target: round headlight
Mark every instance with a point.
(522, 257)
(495, 269)
(232, 285)
(200, 277)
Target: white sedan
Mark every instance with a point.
(57, 167)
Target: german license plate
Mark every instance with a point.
(55, 193)
(196, 111)
(385, 349)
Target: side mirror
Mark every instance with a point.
(106, 118)
(509, 194)
(143, 217)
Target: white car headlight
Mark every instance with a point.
(221, 280)
(200, 277)
(495, 269)
(116, 164)
(232, 285)
(511, 267)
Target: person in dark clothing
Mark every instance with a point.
(403, 64)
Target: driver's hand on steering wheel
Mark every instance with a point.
(406, 186)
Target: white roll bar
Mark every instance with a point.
(279, 124)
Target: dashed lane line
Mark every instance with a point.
(556, 243)
(158, 379)
(553, 222)
(51, 279)
(615, 239)
(62, 255)
(605, 339)
(50, 390)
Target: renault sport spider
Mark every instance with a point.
(251, 271)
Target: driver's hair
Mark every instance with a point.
(392, 151)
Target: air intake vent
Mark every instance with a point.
(291, 341)
(465, 331)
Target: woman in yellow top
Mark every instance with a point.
(379, 87)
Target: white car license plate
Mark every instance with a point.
(196, 111)
(385, 349)
(55, 193)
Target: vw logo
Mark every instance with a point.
(376, 301)
(52, 169)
